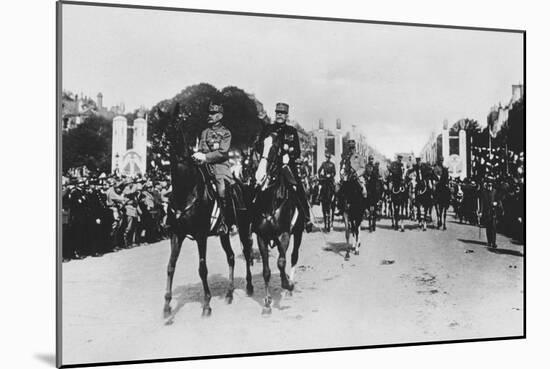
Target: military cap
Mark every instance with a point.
(281, 107)
(371, 157)
(215, 108)
(400, 156)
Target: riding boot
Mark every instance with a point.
(222, 228)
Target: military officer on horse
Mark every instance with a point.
(214, 145)
(327, 171)
(289, 155)
(396, 171)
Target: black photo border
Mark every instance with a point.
(58, 159)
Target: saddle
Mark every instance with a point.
(234, 191)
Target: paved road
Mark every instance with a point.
(407, 286)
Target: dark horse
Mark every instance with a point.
(423, 201)
(442, 197)
(327, 196)
(193, 199)
(276, 215)
(353, 206)
(399, 197)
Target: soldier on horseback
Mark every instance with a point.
(352, 167)
(371, 170)
(396, 170)
(214, 145)
(327, 171)
(289, 155)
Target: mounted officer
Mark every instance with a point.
(289, 154)
(371, 170)
(327, 171)
(214, 145)
(396, 171)
(353, 167)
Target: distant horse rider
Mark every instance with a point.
(396, 171)
(214, 145)
(327, 172)
(371, 169)
(289, 155)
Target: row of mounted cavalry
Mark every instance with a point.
(263, 201)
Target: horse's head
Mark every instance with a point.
(180, 140)
(267, 167)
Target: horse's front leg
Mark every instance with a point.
(226, 245)
(346, 226)
(444, 211)
(297, 240)
(356, 231)
(246, 241)
(264, 252)
(282, 245)
(175, 248)
(203, 273)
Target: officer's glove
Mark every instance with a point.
(199, 156)
(286, 159)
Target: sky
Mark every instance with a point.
(397, 84)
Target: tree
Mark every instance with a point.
(241, 117)
(88, 144)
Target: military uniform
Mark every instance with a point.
(396, 170)
(327, 171)
(290, 146)
(371, 170)
(214, 145)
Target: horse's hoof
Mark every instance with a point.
(206, 312)
(167, 312)
(266, 310)
(346, 258)
(249, 290)
(444, 228)
(356, 252)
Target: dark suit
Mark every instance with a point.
(491, 209)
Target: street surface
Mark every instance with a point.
(410, 286)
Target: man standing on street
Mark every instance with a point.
(490, 209)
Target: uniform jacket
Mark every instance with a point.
(290, 142)
(215, 142)
(327, 170)
(396, 170)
